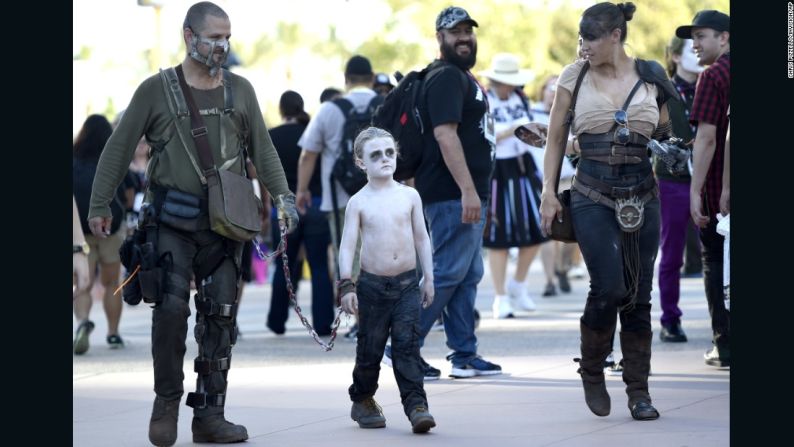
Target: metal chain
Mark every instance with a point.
(282, 250)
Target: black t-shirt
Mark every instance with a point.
(454, 97)
(285, 138)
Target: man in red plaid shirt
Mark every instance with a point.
(710, 32)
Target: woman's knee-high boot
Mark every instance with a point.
(595, 347)
(636, 348)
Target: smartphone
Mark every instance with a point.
(529, 137)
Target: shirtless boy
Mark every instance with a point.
(389, 217)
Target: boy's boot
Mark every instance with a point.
(368, 414)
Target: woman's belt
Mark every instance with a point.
(608, 195)
(602, 148)
(626, 201)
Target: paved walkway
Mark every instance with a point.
(288, 392)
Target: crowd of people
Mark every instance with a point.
(406, 254)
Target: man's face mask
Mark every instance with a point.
(220, 47)
(689, 61)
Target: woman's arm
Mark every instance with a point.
(556, 144)
(79, 259)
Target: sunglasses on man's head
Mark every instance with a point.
(623, 134)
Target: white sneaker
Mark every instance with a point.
(519, 297)
(501, 307)
(577, 272)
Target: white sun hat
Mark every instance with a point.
(505, 69)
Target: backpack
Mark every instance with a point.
(402, 115)
(345, 170)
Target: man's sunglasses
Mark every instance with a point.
(623, 134)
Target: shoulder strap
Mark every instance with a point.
(197, 127)
(174, 91)
(178, 108)
(228, 97)
(575, 94)
(344, 105)
(631, 94)
(524, 102)
(569, 118)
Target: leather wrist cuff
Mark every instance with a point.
(343, 287)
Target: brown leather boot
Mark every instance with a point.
(215, 428)
(595, 347)
(162, 425)
(636, 347)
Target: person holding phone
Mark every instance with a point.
(513, 210)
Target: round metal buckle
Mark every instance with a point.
(629, 213)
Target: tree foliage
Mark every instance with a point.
(542, 33)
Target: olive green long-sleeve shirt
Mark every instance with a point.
(175, 160)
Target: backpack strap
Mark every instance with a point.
(228, 97)
(344, 105)
(178, 106)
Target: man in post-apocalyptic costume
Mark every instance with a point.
(179, 242)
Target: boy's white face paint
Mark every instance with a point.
(379, 158)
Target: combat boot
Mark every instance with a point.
(368, 414)
(215, 428)
(162, 425)
(421, 420)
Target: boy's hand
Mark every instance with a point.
(428, 292)
(350, 303)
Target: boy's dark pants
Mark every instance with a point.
(389, 306)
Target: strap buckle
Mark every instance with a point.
(202, 400)
(623, 159)
(199, 132)
(204, 366)
(623, 192)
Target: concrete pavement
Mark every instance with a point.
(287, 391)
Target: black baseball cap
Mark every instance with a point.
(708, 18)
(451, 16)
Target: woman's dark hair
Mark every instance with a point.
(602, 18)
(92, 138)
(676, 47)
(291, 106)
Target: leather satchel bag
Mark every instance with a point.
(234, 210)
(562, 226)
(563, 231)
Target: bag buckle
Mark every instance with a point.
(198, 132)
